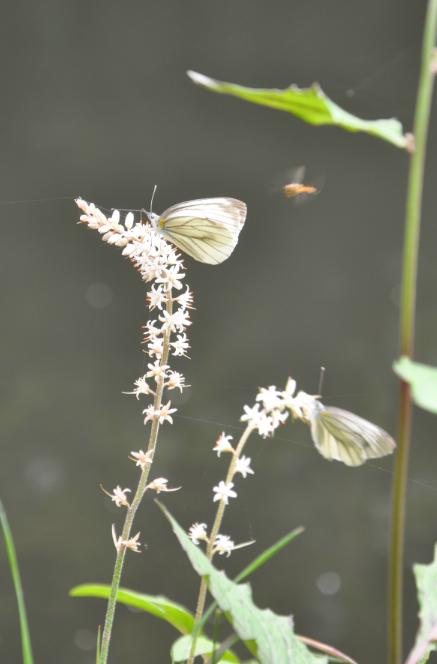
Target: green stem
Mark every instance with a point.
(407, 326)
(16, 578)
(213, 534)
(139, 493)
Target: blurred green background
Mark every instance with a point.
(95, 101)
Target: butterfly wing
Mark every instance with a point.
(206, 229)
(343, 436)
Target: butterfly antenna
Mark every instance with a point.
(153, 196)
(321, 377)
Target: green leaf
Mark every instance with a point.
(426, 583)
(422, 379)
(258, 562)
(26, 645)
(161, 607)
(271, 634)
(308, 104)
(181, 649)
(265, 556)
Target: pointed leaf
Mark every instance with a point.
(310, 105)
(272, 634)
(422, 379)
(265, 556)
(426, 582)
(15, 573)
(158, 606)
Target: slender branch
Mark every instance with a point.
(407, 329)
(213, 534)
(139, 493)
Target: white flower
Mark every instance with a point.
(264, 425)
(132, 543)
(185, 299)
(223, 444)
(251, 415)
(171, 277)
(142, 459)
(223, 491)
(181, 345)
(303, 406)
(160, 484)
(278, 417)
(269, 423)
(150, 330)
(175, 380)
(243, 466)
(156, 370)
(141, 387)
(129, 220)
(109, 228)
(270, 398)
(165, 413)
(223, 545)
(175, 322)
(149, 412)
(115, 217)
(288, 397)
(156, 297)
(197, 532)
(290, 387)
(118, 496)
(156, 347)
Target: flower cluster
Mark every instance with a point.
(272, 407)
(158, 262)
(223, 545)
(223, 492)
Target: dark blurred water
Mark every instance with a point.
(95, 101)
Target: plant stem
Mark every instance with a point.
(16, 579)
(407, 328)
(213, 534)
(139, 493)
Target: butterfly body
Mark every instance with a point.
(206, 229)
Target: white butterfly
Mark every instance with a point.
(343, 436)
(206, 229)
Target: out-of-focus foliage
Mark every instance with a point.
(426, 582)
(308, 104)
(423, 381)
